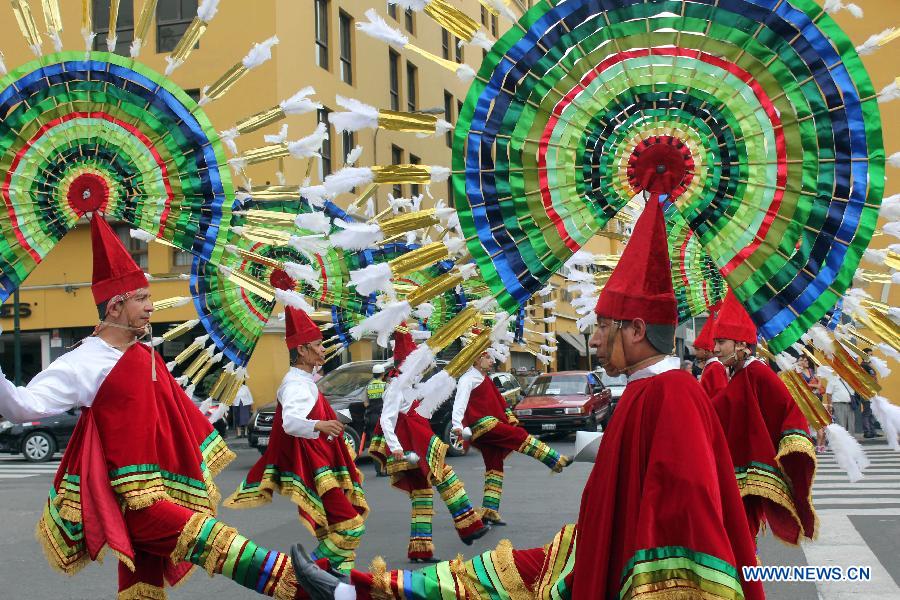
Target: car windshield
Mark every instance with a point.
(558, 385)
(346, 381)
(609, 380)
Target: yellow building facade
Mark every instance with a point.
(319, 46)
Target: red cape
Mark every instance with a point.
(714, 378)
(661, 509)
(141, 441)
(774, 457)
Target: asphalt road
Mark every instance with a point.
(536, 504)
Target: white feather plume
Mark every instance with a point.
(892, 228)
(418, 361)
(876, 257)
(545, 291)
(890, 208)
(372, 278)
(140, 234)
(848, 454)
(380, 30)
(311, 145)
(305, 273)
(293, 299)
(357, 115)
(278, 138)
(468, 271)
(207, 10)
(260, 53)
(785, 361)
(881, 366)
(465, 73)
(383, 323)
(889, 416)
(835, 6)
(300, 103)
(872, 44)
(309, 244)
(888, 351)
(550, 305)
(228, 136)
(356, 236)
(344, 180)
(480, 39)
(316, 195)
(822, 339)
(501, 7)
(424, 311)
(353, 156)
(894, 160)
(439, 174)
(441, 127)
(581, 258)
(890, 92)
(434, 392)
(315, 221)
(413, 5)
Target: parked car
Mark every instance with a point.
(616, 387)
(38, 440)
(345, 390)
(509, 387)
(564, 402)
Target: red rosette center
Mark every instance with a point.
(661, 165)
(88, 192)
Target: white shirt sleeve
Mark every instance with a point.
(461, 400)
(389, 412)
(52, 391)
(297, 400)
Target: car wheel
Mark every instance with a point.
(38, 447)
(457, 448)
(352, 439)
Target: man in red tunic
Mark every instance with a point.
(137, 473)
(496, 433)
(661, 514)
(403, 429)
(308, 459)
(714, 377)
(774, 457)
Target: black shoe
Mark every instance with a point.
(494, 523)
(431, 560)
(868, 436)
(477, 535)
(381, 474)
(318, 583)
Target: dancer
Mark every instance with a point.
(773, 453)
(308, 459)
(402, 431)
(635, 537)
(137, 474)
(495, 432)
(714, 377)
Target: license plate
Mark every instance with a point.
(263, 441)
(548, 426)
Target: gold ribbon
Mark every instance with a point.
(189, 40)
(167, 303)
(462, 361)
(222, 381)
(434, 288)
(113, 20)
(846, 367)
(452, 19)
(200, 361)
(274, 193)
(265, 154)
(267, 236)
(447, 64)
(226, 81)
(259, 259)
(52, 18)
(408, 222)
(261, 119)
(144, 20)
(27, 26)
(87, 15)
(883, 327)
(394, 120)
(271, 217)
(454, 328)
(250, 283)
(391, 174)
(187, 352)
(419, 258)
(178, 331)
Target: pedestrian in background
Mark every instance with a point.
(240, 410)
(812, 381)
(865, 406)
(839, 398)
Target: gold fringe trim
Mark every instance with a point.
(804, 446)
(672, 589)
(219, 549)
(505, 566)
(468, 520)
(381, 579)
(420, 546)
(143, 591)
(221, 460)
(286, 588)
(489, 513)
(53, 559)
(188, 537)
(461, 574)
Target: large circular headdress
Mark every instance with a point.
(754, 118)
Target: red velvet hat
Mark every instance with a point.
(640, 287)
(403, 345)
(733, 322)
(115, 272)
(299, 329)
(705, 339)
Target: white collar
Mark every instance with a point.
(474, 374)
(669, 363)
(298, 372)
(710, 361)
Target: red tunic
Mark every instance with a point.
(661, 505)
(774, 458)
(714, 378)
(303, 469)
(488, 417)
(141, 441)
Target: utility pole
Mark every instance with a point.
(17, 341)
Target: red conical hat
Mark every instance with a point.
(403, 345)
(299, 329)
(705, 339)
(733, 322)
(640, 287)
(115, 272)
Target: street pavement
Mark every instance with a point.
(859, 525)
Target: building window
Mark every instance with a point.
(448, 116)
(346, 34)
(172, 19)
(137, 248)
(181, 261)
(409, 19)
(459, 51)
(394, 64)
(484, 16)
(414, 188)
(348, 143)
(494, 26)
(412, 83)
(124, 26)
(320, 9)
(397, 159)
(325, 163)
(445, 44)
(392, 10)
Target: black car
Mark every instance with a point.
(38, 440)
(345, 390)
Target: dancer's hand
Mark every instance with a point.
(398, 455)
(330, 428)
